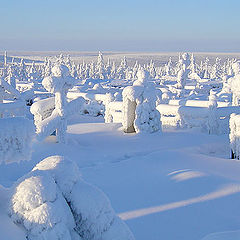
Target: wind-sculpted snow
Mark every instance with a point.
(53, 202)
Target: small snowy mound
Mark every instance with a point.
(53, 202)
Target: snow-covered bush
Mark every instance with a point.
(93, 108)
(139, 106)
(16, 135)
(53, 202)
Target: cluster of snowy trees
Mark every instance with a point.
(109, 70)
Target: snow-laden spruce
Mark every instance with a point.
(139, 106)
(16, 135)
(234, 125)
(235, 84)
(53, 202)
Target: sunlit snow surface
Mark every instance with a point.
(163, 185)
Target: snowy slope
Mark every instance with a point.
(171, 185)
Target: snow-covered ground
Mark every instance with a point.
(170, 185)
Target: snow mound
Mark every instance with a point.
(40, 208)
(53, 202)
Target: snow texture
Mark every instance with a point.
(16, 135)
(53, 202)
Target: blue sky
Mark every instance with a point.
(126, 25)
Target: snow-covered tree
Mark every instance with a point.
(100, 71)
(59, 82)
(139, 106)
(235, 84)
(212, 123)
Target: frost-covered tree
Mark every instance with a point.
(11, 79)
(212, 123)
(122, 69)
(100, 71)
(139, 106)
(113, 71)
(59, 82)
(152, 70)
(182, 76)
(169, 67)
(108, 69)
(22, 74)
(235, 84)
(192, 65)
(206, 68)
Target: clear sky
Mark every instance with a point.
(123, 25)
